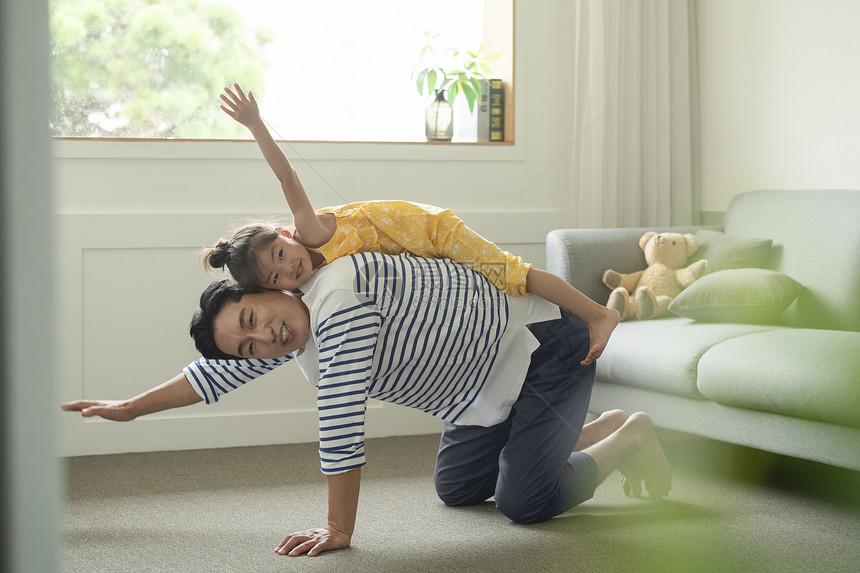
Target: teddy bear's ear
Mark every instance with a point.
(645, 238)
(692, 244)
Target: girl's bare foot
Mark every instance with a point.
(600, 329)
(606, 424)
(645, 461)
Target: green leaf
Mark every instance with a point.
(470, 97)
(420, 81)
(453, 92)
(431, 81)
(477, 87)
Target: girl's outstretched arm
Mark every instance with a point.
(314, 230)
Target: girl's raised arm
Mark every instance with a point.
(314, 230)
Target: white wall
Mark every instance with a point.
(780, 86)
(131, 217)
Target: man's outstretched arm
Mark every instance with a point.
(174, 393)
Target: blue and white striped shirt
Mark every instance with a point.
(424, 333)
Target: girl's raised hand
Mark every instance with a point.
(240, 107)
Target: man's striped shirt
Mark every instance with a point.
(425, 333)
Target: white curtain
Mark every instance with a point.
(635, 156)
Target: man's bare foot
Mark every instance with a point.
(600, 329)
(645, 461)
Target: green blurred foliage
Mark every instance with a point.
(144, 68)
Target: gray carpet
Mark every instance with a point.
(731, 509)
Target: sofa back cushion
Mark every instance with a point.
(816, 241)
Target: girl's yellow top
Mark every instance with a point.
(395, 227)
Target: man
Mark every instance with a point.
(504, 373)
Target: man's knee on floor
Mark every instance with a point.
(520, 510)
(451, 497)
(459, 494)
(531, 501)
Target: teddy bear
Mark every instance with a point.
(647, 293)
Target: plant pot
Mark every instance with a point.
(439, 119)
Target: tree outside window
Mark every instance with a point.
(142, 68)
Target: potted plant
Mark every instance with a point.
(447, 75)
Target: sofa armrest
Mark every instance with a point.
(580, 256)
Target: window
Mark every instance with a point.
(328, 70)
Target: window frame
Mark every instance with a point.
(226, 149)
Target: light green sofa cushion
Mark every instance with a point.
(756, 296)
(724, 251)
(663, 354)
(799, 372)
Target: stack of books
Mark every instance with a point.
(497, 111)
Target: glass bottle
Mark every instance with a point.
(439, 119)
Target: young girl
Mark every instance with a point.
(265, 256)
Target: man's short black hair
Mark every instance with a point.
(213, 299)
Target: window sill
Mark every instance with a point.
(90, 148)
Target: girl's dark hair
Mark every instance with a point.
(239, 254)
(212, 301)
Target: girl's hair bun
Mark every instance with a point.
(216, 257)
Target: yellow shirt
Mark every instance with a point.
(395, 227)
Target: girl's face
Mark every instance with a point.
(284, 264)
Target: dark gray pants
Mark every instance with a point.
(526, 461)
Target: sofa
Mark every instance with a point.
(761, 351)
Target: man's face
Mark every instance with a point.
(270, 324)
(284, 264)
